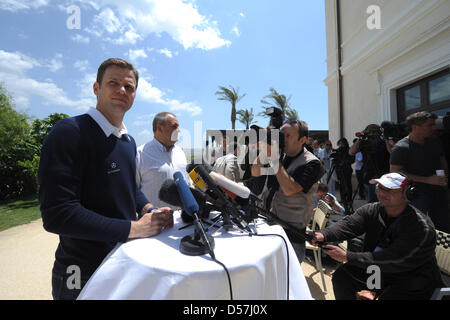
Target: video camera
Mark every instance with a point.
(393, 131)
(276, 117)
(338, 155)
(276, 121)
(443, 123)
(369, 141)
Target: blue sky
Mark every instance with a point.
(183, 50)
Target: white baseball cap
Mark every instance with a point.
(391, 180)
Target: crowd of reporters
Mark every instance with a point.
(416, 160)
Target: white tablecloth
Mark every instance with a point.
(154, 268)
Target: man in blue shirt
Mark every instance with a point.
(87, 178)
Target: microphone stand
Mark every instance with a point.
(198, 243)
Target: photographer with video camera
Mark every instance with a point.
(375, 151)
(421, 157)
(291, 192)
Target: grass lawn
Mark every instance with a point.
(18, 212)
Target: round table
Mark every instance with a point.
(154, 268)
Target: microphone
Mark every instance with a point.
(169, 194)
(199, 243)
(230, 185)
(204, 182)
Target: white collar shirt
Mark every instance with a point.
(154, 165)
(105, 125)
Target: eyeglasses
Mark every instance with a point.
(379, 188)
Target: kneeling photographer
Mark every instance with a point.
(400, 242)
(375, 151)
(294, 181)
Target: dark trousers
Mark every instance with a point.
(62, 290)
(361, 188)
(435, 205)
(348, 280)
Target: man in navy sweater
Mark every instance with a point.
(87, 178)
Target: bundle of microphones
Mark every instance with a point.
(214, 192)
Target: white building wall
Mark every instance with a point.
(413, 42)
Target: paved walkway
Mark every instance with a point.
(27, 255)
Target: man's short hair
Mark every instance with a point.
(160, 118)
(302, 127)
(119, 63)
(419, 118)
(323, 187)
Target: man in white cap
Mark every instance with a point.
(398, 256)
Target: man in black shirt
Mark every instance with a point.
(295, 181)
(419, 155)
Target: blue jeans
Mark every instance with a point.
(435, 205)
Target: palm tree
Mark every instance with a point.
(292, 114)
(231, 95)
(280, 101)
(246, 117)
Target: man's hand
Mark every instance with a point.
(335, 252)
(317, 238)
(437, 180)
(152, 223)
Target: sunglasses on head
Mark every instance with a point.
(290, 122)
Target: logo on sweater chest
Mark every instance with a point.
(112, 166)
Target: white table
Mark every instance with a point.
(154, 268)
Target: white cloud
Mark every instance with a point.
(236, 31)
(189, 107)
(145, 134)
(129, 37)
(134, 20)
(144, 120)
(80, 39)
(16, 5)
(147, 92)
(81, 65)
(13, 72)
(106, 21)
(56, 63)
(135, 54)
(166, 52)
(16, 63)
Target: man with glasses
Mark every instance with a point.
(158, 159)
(399, 241)
(296, 181)
(420, 155)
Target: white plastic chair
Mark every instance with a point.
(443, 261)
(320, 219)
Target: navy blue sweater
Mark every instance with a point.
(88, 192)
